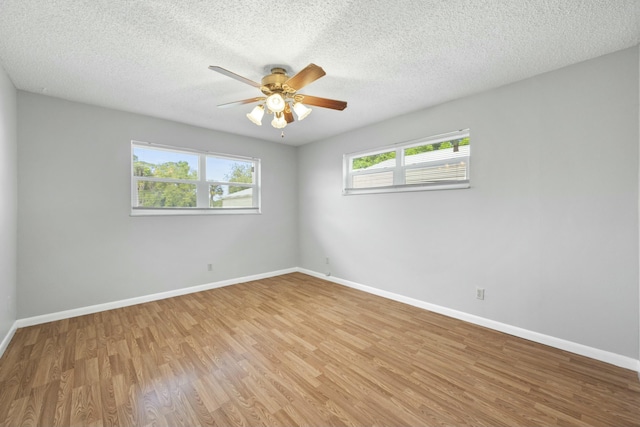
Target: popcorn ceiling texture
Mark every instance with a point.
(384, 58)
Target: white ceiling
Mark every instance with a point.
(385, 58)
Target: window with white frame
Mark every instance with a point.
(172, 180)
(437, 162)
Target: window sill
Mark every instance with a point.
(192, 211)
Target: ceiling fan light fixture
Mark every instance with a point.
(280, 95)
(301, 110)
(278, 121)
(256, 115)
(275, 102)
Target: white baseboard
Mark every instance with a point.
(583, 350)
(594, 353)
(37, 320)
(7, 338)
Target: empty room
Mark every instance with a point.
(341, 213)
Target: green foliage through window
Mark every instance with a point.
(153, 194)
(368, 161)
(432, 147)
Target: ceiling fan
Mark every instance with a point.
(281, 95)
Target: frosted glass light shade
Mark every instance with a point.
(301, 110)
(275, 102)
(256, 115)
(278, 121)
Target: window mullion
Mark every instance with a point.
(254, 193)
(398, 172)
(155, 179)
(202, 189)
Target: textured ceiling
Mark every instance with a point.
(384, 58)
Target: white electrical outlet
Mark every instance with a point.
(480, 293)
(326, 260)
(210, 267)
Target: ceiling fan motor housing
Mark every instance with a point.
(274, 82)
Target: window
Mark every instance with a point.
(437, 162)
(168, 180)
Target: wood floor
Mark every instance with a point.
(296, 350)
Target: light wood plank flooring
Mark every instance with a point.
(296, 350)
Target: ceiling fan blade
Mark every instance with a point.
(234, 76)
(244, 101)
(322, 102)
(308, 74)
(288, 115)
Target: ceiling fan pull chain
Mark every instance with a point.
(282, 134)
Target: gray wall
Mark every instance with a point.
(77, 243)
(8, 203)
(549, 227)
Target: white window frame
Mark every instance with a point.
(400, 168)
(202, 185)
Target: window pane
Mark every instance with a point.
(380, 179)
(229, 170)
(164, 164)
(152, 194)
(446, 172)
(230, 196)
(375, 161)
(433, 152)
